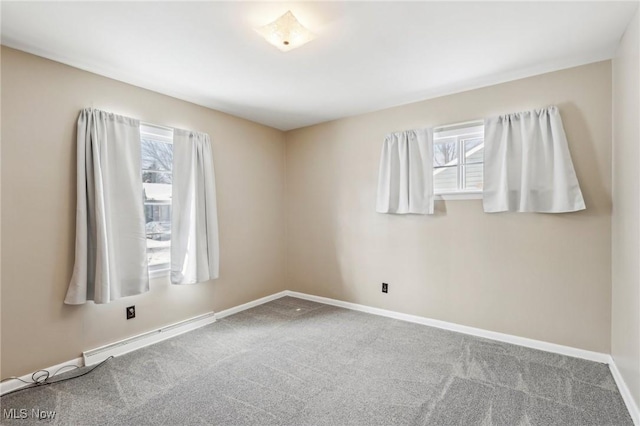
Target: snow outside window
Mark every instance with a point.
(458, 157)
(157, 164)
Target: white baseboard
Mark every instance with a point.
(122, 347)
(493, 335)
(130, 344)
(15, 384)
(634, 411)
(97, 355)
(133, 343)
(251, 304)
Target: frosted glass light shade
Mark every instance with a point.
(286, 32)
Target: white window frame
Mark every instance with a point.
(165, 135)
(460, 131)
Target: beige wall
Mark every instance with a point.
(625, 330)
(41, 100)
(545, 277)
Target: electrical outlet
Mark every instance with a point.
(131, 312)
(385, 288)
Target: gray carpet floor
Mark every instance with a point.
(295, 362)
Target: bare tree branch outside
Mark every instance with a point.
(157, 157)
(444, 153)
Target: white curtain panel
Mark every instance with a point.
(405, 179)
(111, 258)
(194, 217)
(527, 164)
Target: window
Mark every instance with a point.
(458, 154)
(157, 164)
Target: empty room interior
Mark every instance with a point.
(320, 213)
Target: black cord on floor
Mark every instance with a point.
(45, 379)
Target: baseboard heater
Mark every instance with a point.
(97, 355)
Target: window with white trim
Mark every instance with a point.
(157, 165)
(458, 159)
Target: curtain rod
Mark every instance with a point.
(461, 124)
(157, 126)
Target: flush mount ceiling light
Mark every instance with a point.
(286, 32)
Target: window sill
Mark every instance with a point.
(159, 273)
(455, 196)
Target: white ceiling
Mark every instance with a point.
(367, 55)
